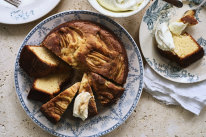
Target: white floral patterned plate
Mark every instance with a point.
(159, 12)
(108, 118)
(29, 10)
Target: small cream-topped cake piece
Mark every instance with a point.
(86, 87)
(177, 45)
(179, 26)
(81, 105)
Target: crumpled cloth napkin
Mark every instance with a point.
(192, 97)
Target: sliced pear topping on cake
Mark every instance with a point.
(106, 91)
(55, 108)
(91, 106)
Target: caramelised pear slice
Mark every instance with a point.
(54, 108)
(85, 87)
(106, 91)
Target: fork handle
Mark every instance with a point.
(201, 4)
(177, 3)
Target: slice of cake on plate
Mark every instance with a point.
(189, 18)
(38, 61)
(85, 104)
(47, 87)
(106, 91)
(55, 108)
(175, 44)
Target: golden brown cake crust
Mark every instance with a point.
(106, 91)
(54, 109)
(85, 87)
(186, 61)
(91, 47)
(33, 65)
(44, 96)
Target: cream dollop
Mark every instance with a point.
(164, 38)
(177, 27)
(120, 5)
(81, 105)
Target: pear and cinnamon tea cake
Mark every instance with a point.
(176, 44)
(38, 61)
(55, 108)
(89, 47)
(45, 88)
(86, 87)
(186, 50)
(106, 91)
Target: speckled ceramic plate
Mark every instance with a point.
(108, 118)
(159, 12)
(29, 10)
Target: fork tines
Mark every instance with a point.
(16, 3)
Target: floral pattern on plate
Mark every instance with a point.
(109, 118)
(160, 12)
(29, 10)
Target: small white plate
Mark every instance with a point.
(159, 12)
(28, 11)
(106, 12)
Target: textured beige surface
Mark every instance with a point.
(150, 117)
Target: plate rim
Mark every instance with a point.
(161, 75)
(137, 51)
(118, 14)
(32, 19)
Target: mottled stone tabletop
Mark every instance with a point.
(150, 118)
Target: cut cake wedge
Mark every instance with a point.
(85, 87)
(47, 87)
(55, 108)
(38, 61)
(186, 51)
(106, 91)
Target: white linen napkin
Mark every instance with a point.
(190, 96)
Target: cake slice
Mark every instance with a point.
(186, 50)
(189, 18)
(37, 61)
(45, 88)
(85, 87)
(106, 91)
(55, 108)
(176, 44)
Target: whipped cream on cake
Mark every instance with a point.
(120, 5)
(175, 44)
(177, 27)
(164, 38)
(81, 105)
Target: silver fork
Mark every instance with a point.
(200, 5)
(16, 3)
